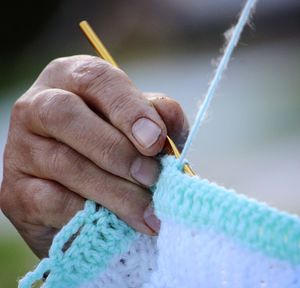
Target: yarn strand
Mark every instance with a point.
(234, 38)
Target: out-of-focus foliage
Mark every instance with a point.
(15, 260)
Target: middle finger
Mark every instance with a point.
(56, 161)
(87, 133)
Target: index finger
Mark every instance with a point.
(109, 91)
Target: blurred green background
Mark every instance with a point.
(251, 138)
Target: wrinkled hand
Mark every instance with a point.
(83, 131)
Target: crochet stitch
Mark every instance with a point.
(82, 248)
(210, 237)
(199, 204)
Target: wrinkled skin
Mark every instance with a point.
(82, 131)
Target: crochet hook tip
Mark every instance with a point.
(172, 149)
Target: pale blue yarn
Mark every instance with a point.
(235, 36)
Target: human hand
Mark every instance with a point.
(83, 131)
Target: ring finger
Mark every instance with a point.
(56, 161)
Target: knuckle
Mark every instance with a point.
(20, 108)
(89, 70)
(64, 62)
(57, 64)
(54, 67)
(49, 108)
(93, 74)
(39, 194)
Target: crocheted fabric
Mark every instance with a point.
(210, 237)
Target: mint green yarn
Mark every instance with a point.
(200, 204)
(83, 248)
(101, 236)
(88, 243)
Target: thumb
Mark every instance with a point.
(173, 116)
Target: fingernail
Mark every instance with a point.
(150, 218)
(145, 171)
(146, 132)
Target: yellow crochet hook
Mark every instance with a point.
(174, 150)
(103, 53)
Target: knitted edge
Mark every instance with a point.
(200, 204)
(102, 237)
(97, 236)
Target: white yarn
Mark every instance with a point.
(130, 270)
(191, 259)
